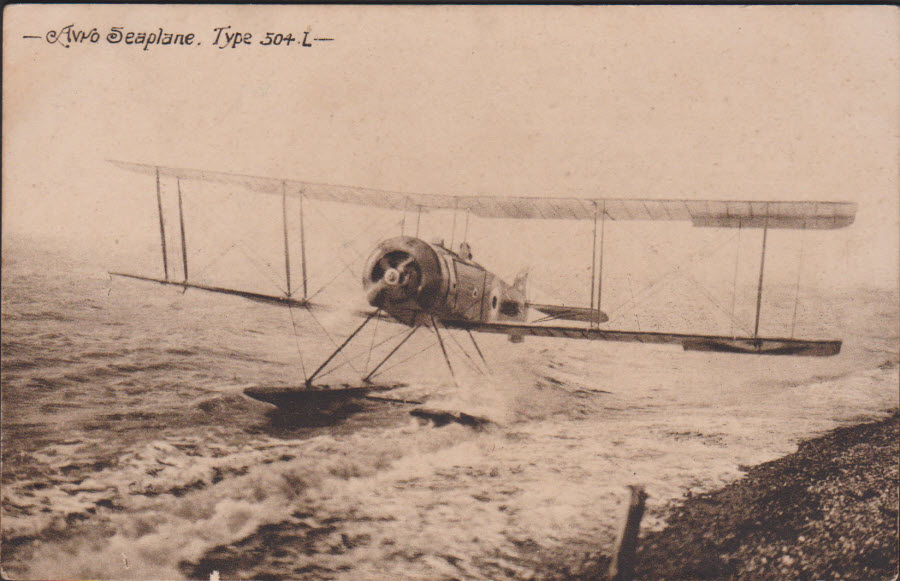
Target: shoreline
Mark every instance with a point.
(827, 511)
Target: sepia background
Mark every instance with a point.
(676, 102)
(128, 449)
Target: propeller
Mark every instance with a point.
(396, 277)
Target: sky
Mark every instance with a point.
(761, 103)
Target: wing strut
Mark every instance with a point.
(287, 253)
(162, 227)
(403, 219)
(181, 223)
(303, 248)
(593, 263)
(600, 267)
(737, 262)
(453, 227)
(759, 288)
(597, 270)
(797, 288)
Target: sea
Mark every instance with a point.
(129, 450)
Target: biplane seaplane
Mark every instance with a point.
(411, 282)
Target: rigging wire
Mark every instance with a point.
(327, 334)
(391, 353)
(414, 355)
(256, 261)
(674, 269)
(677, 269)
(689, 278)
(257, 264)
(297, 341)
(347, 266)
(215, 260)
(631, 290)
(371, 346)
(466, 353)
(366, 228)
(358, 355)
(346, 245)
(643, 293)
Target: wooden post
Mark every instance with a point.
(622, 566)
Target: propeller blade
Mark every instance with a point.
(375, 294)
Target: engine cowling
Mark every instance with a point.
(403, 270)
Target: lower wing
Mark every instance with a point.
(717, 343)
(259, 297)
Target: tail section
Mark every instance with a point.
(521, 281)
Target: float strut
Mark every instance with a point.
(443, 349)
(480, 354)
(389, 355)
(339, 349)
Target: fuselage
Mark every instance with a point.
(413, 281)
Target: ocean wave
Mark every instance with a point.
(125, 429)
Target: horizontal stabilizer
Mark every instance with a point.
(262, 298)
(762, 346)
(825, 215)
(582, 314)
(722, 344)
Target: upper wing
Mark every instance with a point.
(750, 345)
(711, 213)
